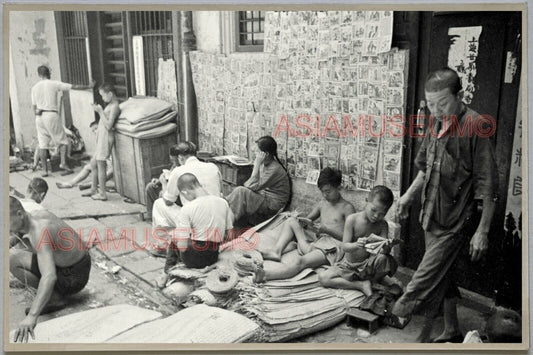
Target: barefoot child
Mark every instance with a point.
(358, 267)
(104, 139)
(332, 211)
(326, 250)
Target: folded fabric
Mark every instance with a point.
(124, 125)
(138, 108)
(152, 133)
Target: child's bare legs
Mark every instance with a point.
(36, 158)
(94, 183)
(280, 271)
(330, 279)
(82, 175)
(291, 227)
(44, 153)
(101, 179)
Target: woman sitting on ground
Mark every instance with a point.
(268, 189)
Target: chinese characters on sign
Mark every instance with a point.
(462, 57)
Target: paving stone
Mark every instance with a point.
(136, 255)
(119, 221)
(151, 276)
(118, 245)
(19, 182)
(144, 266)
(67, 211)
(88, 229)
(118, 202)
(97, 208)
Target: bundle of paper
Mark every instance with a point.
(375, 243)
(308, 224)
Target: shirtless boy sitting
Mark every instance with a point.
(359, 267)
(53, 261)
(332, 211)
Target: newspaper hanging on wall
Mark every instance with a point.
(310, 101)
(166, 82)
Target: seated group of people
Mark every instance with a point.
(191, 203)
(179, 199)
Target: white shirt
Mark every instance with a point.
(44, 94)
(207, 174)
(31, 206)
(206, 218)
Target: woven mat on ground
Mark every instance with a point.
(197, 324)
(92, 326)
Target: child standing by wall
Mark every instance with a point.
(104, 139)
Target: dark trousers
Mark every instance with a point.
(198, 254)
(152, 193)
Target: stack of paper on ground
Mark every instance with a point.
(295, 307)
(92, 326)
(197, 324)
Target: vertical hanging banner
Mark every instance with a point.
(513, 208)
(138, 63)
(462, 56)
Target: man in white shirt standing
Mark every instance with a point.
(48, 123)
(166, 209)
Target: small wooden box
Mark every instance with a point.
(136, 161)
(358, 318)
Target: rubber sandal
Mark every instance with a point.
(129, 200)
(88, 194)
(63, 185)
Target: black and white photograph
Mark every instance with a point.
(183, 176)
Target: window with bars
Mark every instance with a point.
(250, 31)
(75, 47)
(155, 27)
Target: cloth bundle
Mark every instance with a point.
(124, 126)
(143, 108)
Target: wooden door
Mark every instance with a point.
(494, 96)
